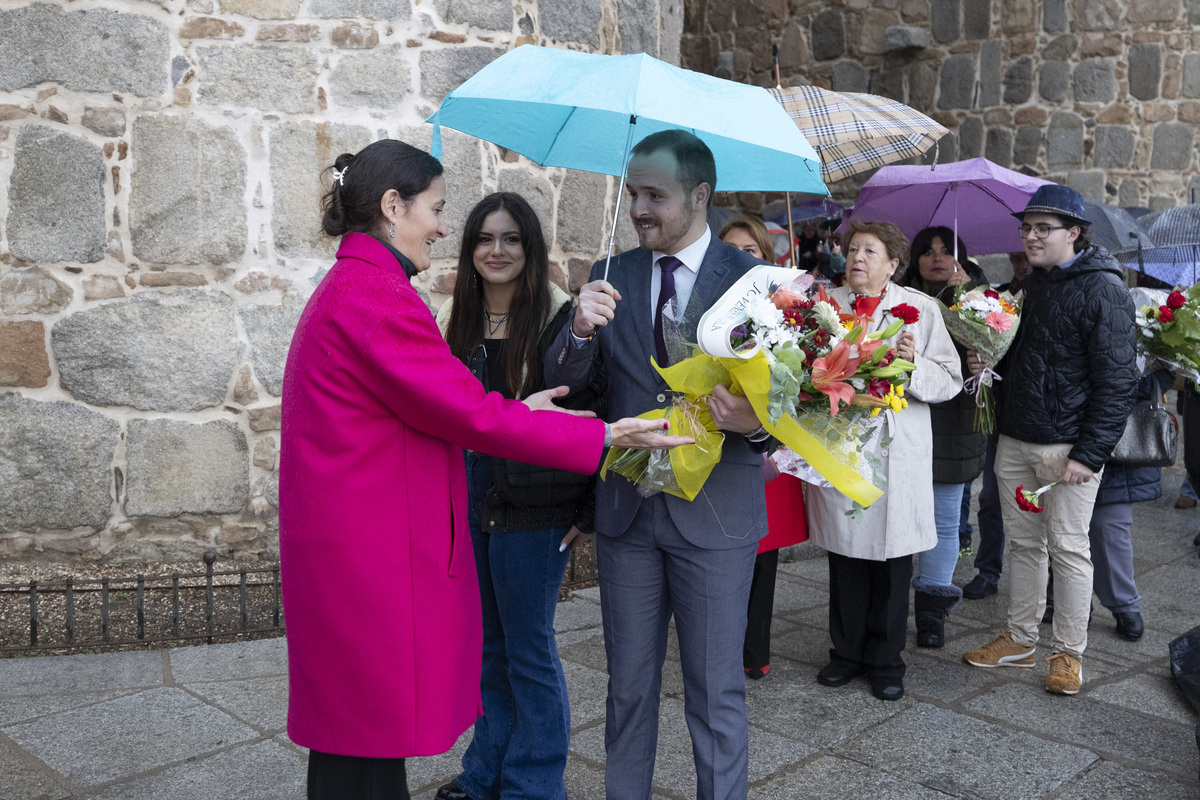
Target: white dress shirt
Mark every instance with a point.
(692, 257)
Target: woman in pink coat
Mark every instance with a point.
(379, 587)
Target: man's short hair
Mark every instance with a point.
(694, 161)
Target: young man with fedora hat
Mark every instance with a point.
(1068, 387)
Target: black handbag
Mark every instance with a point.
(1151, 437)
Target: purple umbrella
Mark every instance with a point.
(975, 198)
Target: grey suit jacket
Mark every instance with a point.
(730, 510)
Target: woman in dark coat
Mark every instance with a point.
(1111, 528)
(958, 448)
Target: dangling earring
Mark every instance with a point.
(474, 280)
(391, 231)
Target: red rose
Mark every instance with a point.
(1176, 299)
(905, 312)
(1165, 314)
(992, 293)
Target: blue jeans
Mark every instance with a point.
(989, 559)
(1186, 489)
(936, 566)
(519, 746)
(964, 518)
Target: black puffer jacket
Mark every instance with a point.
(525, 497)
(1069, 376)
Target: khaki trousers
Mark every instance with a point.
(1058, 534)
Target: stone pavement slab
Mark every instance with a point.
(262, 770)
(87, 673)
(233, 660)
(24, 709)
(1106, 780)
(1152, 692)
(1105, 729)
(832, 778)
(119, 738)
(261, 702)
(25, 778)
(963, 756)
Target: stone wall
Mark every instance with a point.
(159, 234)
(1102, 95)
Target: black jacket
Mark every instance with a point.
(958, 447)
(1070, 374)
(525, 497)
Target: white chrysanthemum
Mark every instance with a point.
(764, 314)
(827, 317)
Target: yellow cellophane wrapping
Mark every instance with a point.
(695, 378)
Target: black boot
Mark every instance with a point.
(930, 606)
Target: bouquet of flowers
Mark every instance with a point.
(985, 321)
(1170, 333)
(816, 379)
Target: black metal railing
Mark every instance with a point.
(74, 615)
(108, 613)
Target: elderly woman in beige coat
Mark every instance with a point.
(870, 561)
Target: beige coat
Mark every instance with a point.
(900, 522)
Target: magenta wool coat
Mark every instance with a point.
(379, 587)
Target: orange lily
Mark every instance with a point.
(829, 374)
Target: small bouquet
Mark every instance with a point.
(815, 377)
(985, 321)
(1170, 333)
(1032, 500)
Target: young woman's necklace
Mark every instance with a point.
(494, 323)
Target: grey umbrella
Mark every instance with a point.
(1114, 228)
(1175, 252)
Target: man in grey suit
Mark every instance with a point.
(662, 555)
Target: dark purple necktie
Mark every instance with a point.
(666, 291)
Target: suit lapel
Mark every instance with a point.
(636, 277)
(709, 286)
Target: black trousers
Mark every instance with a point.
(332, 777)
(868, 613)
(756, 650)
(1191, 434)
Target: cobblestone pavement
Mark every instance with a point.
(208, 722)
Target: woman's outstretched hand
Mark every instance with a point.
(645, 434)
(631, 432)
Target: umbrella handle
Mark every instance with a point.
(612, 235)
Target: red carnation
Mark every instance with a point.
(1025, 504)
(1176, 299)
(992, 293)
(1165, 314)
(878, 387)
(905, 312)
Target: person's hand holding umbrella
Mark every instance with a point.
(597, 305)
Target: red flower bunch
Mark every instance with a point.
(1176, 299)
(1032, 501)
(905, 312)
(1165, 314)
(992, 293)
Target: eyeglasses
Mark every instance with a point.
(1039, 231)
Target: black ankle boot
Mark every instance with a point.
(931, 604)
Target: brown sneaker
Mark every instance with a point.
(1066, 674)
(1001, 652)
(1184, 502)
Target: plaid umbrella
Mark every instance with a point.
(856, 132)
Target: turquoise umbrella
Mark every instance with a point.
(562, 108)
